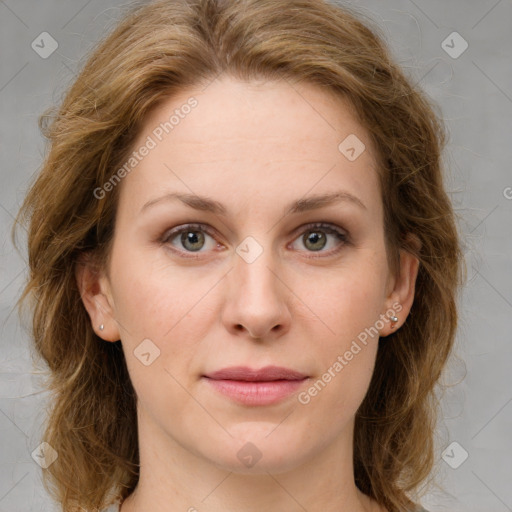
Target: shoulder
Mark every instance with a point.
(112, 508)
(417, 508)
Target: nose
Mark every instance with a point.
(257, 299)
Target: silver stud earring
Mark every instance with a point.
(394, 320)
(101, 327)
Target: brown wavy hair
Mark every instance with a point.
(160, 48)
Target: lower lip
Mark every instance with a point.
(256, 393)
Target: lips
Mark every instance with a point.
(263, 387)
(266, 374)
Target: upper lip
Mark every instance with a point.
(268, 373)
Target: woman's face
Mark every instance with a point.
(253, 283)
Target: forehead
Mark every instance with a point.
(253, 137)
(272, 111)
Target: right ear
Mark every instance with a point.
(95, 291)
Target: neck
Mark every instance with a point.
(174, 477)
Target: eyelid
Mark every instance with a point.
(192, 226)
(329, 227)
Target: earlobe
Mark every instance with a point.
(95, 294)
(394, 320)
(401, 297)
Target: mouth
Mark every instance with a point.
(265, 386)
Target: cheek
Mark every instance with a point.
(352, 298)
(350, 306)
(149, 298)
(154, 320)
(167, 307)
(346, 358)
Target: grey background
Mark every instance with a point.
(475, 95)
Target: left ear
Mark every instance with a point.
(402, 287)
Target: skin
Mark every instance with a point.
(255, 147)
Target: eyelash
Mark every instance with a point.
(328, 228)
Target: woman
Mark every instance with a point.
(244, 266)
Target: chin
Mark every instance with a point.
(259, 456)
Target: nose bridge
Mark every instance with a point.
(255, 269)
(257, 297)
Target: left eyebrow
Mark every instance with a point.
(206, 204)
(319, 201)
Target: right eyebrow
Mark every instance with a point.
(207, 204)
